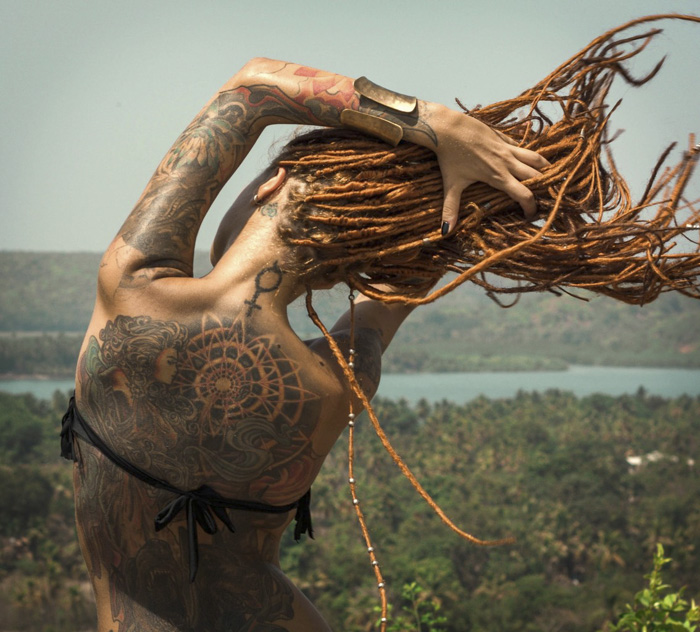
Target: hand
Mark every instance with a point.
(469, 151)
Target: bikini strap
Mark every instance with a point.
(201, 505)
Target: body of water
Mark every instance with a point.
(580, 380)
(463, 387)
(43, 389)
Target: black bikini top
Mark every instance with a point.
(200, 505)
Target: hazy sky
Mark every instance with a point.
(92, 93)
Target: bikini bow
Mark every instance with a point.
(200, 505)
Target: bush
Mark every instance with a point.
(656, 608)
(25, 496)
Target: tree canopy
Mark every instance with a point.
(555, 471)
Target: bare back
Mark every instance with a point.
(235, 402)
(201, 382)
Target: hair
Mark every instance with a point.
(362, 212)
(364, 209)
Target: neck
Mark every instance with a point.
(261, 265)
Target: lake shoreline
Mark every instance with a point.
(462, 387)
(39, 377)
(69, 375)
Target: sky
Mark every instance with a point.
(92, 93)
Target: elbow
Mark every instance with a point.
(257, 62)
(252, 72)
(258, 66)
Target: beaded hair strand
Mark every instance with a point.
(367, 214)
(347, 367)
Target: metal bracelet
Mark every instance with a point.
(383, 96)
(372, 124)
(387, 131)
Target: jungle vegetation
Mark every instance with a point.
(555, 471)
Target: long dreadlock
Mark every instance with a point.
(367, 214)
(365, 210)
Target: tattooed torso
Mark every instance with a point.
(214, 402)
(202, 382)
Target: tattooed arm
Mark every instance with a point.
(158, 238)
(376, 323)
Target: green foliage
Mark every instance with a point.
(25, 494)
(20, 434)
(42, 575)
(420, 612)
(656, 608)
(549, 469)
(28, 427)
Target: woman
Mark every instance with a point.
(249, 411)
(200, 419)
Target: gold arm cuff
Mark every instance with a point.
(373, 125)
(388, 98)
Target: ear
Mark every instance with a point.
(272, 185)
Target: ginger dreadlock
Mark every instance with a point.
(367, 213)
(366, 209)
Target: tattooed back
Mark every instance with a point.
(213, 400)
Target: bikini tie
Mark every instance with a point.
(67, 435)
(200, 507)
(303, 517)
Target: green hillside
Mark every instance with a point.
(465, 331)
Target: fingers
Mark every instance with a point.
(530, 158)
(510, 185)
(450, 208)
(528, 165)
(505, 138)
(500, 166)
(522, 195)
(523, 172)
(514, 189)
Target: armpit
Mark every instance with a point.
(368, 356)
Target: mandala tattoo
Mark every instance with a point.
(208, 402)
(236, 377)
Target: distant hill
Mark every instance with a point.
(41, 291)
(543, 330)
(54, 292)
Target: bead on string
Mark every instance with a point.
(381, 585)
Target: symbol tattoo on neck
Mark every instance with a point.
(269, 210)
(267, 280)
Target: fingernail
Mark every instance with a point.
(445, 228)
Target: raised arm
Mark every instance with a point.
(157, 240)
(158, 237)
(376, 324)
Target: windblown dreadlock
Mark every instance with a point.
(364, 211)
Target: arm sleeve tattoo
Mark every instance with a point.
(163, 226)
